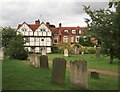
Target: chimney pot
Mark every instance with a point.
(37, 21)
(60, 24)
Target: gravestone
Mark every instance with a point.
(66, 52)
(76, 50)
(94, 75)
(1, 53)
(78, 75)
(44, 61)
(32, 60)
(37, 60)
(58, 70)
(43, 51)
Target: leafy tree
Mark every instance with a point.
(16, 49)
(104, 27)
(62, 46)
(7, 34)
(86, 41)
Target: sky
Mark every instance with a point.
(67, 12)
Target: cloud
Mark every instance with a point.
(68, 13)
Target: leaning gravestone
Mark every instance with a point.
(44, 61)
(1, 53)
(78, 75)
(66, 52)
(58, 70)
(76, 50)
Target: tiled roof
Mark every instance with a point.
(56, 30)
(32, 26)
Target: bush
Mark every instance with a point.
(55, 49)
(19, 55)
(16, 49)
(91, 50)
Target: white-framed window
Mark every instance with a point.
(77, 38)
(72, 39)
(24, 29)
(74, 31)
(43, 30)
(66, 31)
(55, 40)
(80, 31)
(65, 39)
(84, 36)
(27, 39)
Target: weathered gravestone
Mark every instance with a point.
(33, 61)
(37, 60)
(66, 52)
(44, 61)
(58, 70)
(94, 75)
(43, 51)
(78, 75)
(32, 58)
(76, 50)
(1, 53)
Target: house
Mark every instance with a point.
(44, 35)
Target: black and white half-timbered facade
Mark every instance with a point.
(37, 36)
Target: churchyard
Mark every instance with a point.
(59, 73)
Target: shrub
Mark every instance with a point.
(91, 50)
(16, 49)
(55, 49)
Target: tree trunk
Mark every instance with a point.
(111, 59)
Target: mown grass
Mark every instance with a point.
(93, 62)
(18, 75)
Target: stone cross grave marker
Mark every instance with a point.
(78, 75)
(66, 52)
(58, 70)
(44, 61)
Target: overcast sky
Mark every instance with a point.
(67, 12)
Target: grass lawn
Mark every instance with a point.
(93, 62)
(18, 75)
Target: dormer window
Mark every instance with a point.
(80, 31)
(66, 31)
(24, 29)
(74, 31)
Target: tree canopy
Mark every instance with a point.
(105, 27)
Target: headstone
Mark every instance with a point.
(37, 60)
(66, 52)
(43, 51)
(78, 75)
(1, 53)
(97, 52)
(32, 60)
(58, 70)
(76, 50)
(44, 61)
(94, 75)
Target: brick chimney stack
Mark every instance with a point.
(37, 21)
(48, 23)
